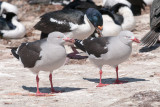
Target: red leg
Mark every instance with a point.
(100, 83)
(117, 80)
(38, 93)
(52, 89)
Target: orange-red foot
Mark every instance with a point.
(41, 94)
(101, 85)
(119, 82)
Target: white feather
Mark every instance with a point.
(148, 2)
(73, 26)
(57, 21)
(129, 20)
(18, 32)
(83, 31)
(8, 8)
(113, 2)
(109, 27)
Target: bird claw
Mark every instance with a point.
(101, 85)
(41, 94)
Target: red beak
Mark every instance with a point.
(136, 40)
(69, 40)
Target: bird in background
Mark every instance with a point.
(43, 55)
(135, 5)
(73, 23)
(152, 36)
(7, 7)
(10, 27)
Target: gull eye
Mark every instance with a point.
(58, 37)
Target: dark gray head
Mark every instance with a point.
(95, 17)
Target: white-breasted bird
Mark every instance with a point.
(10, 27)
(47, 55)
(135, 5)
(110, 50)
(7, 7)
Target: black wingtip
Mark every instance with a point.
(1, 35)
(150, 38)
(13, 50)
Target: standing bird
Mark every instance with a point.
(73, 23)
(10, 28)
(153, 35)
(110, 50)
(124, 17)
(47, 55)
(135, 5)
(7, 7)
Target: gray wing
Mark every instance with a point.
(29, 53)
(96, 46)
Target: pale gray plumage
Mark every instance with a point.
(43, 55)
(119, 49)
(111, 50)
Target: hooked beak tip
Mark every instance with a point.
(100, 27)
(136, 40)
(69, 40)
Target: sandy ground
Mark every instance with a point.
(78, 79)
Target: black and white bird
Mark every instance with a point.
(110, 50)
(111, 21)
(153, 35)
(72, 23)
(124, 16)
(10, 27)
(7, 7)
(47, 55)
(135, 5)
